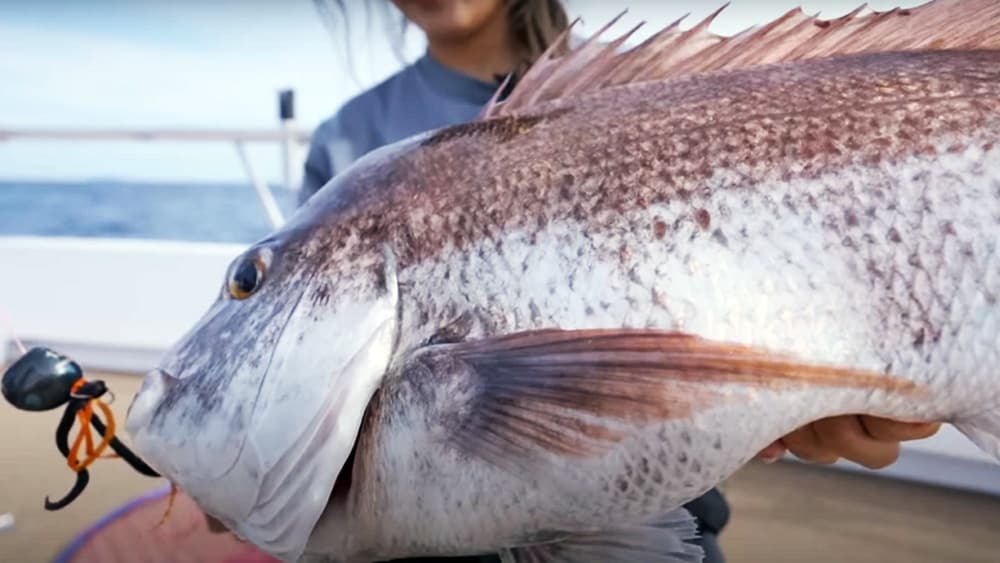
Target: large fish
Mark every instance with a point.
(543, 332)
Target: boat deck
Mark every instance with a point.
(785, 512)
(791, 512)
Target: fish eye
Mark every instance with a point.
(247, 275)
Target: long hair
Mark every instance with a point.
(533, 26)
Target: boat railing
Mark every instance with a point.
(287, 136)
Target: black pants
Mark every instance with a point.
(711, 512)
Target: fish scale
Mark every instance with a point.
(794, 235)
(807, 232)
(542, 333)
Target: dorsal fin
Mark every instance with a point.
(671, 52)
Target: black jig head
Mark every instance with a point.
(42, 380)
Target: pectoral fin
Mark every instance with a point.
(663, 541)
(577, 392)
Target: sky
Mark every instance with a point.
(138, 64)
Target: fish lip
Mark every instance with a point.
(156, 385)
(129, 425)
(143, 408)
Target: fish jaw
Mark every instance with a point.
(264, 460)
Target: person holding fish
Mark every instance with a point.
(472, 46)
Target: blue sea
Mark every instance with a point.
(229, 213)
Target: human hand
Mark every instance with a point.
(867, 440)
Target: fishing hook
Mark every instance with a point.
(62, 442)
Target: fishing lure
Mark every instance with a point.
(42, 380)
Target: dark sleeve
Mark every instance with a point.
(318, 169)
(338, 142)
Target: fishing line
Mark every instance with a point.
(10, 329)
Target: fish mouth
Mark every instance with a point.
(275, 508)
(255, 413)
(274, 493)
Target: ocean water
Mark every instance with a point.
(229, 213)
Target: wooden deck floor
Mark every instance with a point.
(781, 513)
(790, 512)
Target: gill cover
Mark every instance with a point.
(256, 410)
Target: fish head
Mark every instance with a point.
(254, 412)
